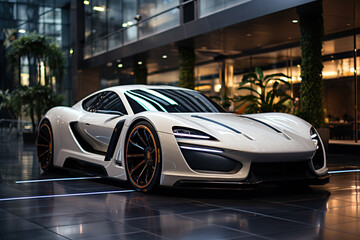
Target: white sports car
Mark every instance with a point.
(168, 136)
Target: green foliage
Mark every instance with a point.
(33, 101)
(40, 49)
(262, 100)
(10, 102)
(311, 88)
(186, 67)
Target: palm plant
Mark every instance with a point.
(260, 99)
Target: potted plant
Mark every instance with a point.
(262, 100)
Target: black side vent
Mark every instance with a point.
(86, 146)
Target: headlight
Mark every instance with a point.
(181, 132)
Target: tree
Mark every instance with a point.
(311, 88)
(37, 49)
(261, 100)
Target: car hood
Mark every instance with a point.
(271, 132)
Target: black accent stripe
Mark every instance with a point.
(218, 123)
(114, 140)
(263, 123)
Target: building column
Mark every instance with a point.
(226, 77)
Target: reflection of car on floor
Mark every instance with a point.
(169, 136)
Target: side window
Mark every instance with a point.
(112, 102)
(90, 103)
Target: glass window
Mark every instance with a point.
(208, 7)
(114, 15)
(90, 103)
(104, 101)
(112, 102)
(87, 22)
(130, 10)
(170, 100)
(98, 19)
(160, 23)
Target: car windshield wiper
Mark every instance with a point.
(110, 112)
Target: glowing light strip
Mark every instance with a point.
(56, 179)
(202, 149)
(64, 195)
(190, 136)
(344, 171)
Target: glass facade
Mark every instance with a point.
(46, 17)
(111, 24)
(208, 7)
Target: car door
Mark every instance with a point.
(101, 114)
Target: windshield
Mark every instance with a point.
(170, 100)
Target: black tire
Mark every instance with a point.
(143, 157)
(45, 146)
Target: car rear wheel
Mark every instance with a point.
(143, 157)
(45, 146)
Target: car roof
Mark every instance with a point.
(124, 88)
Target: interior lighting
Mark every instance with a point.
(99, 9)
(120, 65)
(55, 179)
(249, 35)
(129, 23)
(86, 2)
(139, 62)
(352, 70)
(164, 56)
(22, 31)
(64, 195)
(344, 171)
(295, 21)
(71, 51)
(124, 25)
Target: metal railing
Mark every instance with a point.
(11, 130)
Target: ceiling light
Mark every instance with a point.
(124, 25)
(164, 56)
(298, 65)
(86, 2)
(295, 21)
(71, 51)
(249, 35)
(120, 65)
(129, 23)
(109, 64)
(99, 9)
(22, 31)
(139, 62)
(118, 60)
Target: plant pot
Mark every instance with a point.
(29, 137)
(325, 136)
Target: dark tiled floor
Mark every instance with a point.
(266, 212)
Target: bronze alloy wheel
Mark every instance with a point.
(143, 160)
(45, 146)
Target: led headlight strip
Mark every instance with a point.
(202, 149)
